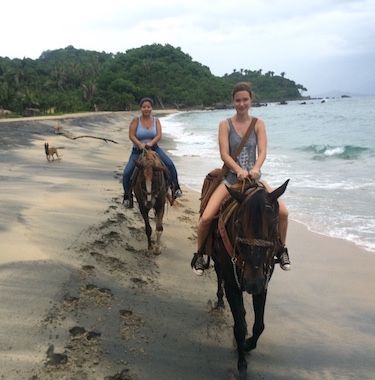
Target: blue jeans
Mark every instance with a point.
(130, 166)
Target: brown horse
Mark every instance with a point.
(245, 243)
(150, 189)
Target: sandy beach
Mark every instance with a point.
(82, 298)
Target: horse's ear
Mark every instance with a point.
(279, 191)
(238, 196)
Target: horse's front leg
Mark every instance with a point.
(235, 300)
(159, 214)
(259, 303)
(220, 289)
(148, 228)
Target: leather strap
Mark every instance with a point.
(245, 137)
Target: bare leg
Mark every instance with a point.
(209, 213)
(204, 225)
(283, 221)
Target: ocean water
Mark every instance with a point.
(327, 150)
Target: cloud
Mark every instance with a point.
(289, 35)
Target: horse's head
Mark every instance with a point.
(256, 236)
(150, 173)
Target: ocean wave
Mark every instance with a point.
(345, 152)
(327, 184)
(348, 232)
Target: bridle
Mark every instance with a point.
(235, 253)
(153, 193)
(240, 264)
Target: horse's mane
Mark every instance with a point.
(151, 158)
(252, 212)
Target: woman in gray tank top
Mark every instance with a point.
(247, 164)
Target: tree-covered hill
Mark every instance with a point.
(71, 80)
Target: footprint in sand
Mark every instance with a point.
(125, 374)
(92, 293)
(184, 218)
(131, 324)
(101, 244)
(120, 217)
(112, 236)
(111, 263)
(139, 281)
(90, 269)
(130, 248)
(55, 358)
(70, 300)
(77, 331)
(189, 211)
(108, 223)
(106, 291)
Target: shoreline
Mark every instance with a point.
(80, 279)
(161, 112)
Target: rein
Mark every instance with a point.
(255, 242)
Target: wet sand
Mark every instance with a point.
(82, 298)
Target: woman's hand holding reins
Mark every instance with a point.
(242, 174)
(254, 173)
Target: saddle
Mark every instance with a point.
(228, 207)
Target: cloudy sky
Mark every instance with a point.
(325, 45)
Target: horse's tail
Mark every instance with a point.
(46, 147)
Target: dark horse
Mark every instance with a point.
(151, 189)
(245, 243)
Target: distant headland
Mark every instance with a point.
(76, 80)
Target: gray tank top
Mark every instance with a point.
(143, 134)
(246, 159)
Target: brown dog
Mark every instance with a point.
(51, 151)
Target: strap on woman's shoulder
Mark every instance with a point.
(230, 123)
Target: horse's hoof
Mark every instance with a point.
(157, 251)
(219, 305)
(242, 370)
(250, 344)
(242, 375)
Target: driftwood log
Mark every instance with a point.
(94, 137)
(59, 131)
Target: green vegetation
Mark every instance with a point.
(72, 80)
